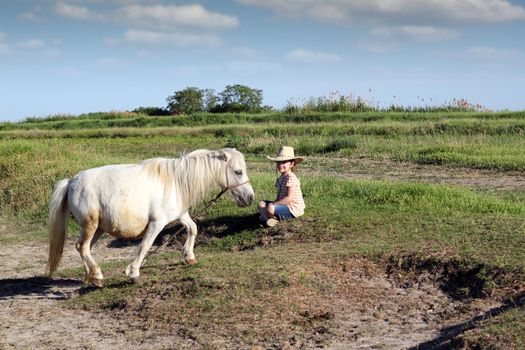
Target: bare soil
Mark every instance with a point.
(369, 310)
(32, 313)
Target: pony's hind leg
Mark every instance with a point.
(89, 234)
(186, 220)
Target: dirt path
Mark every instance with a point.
(382, 316)
(33, 316)
(31, 306)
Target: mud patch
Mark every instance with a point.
(461, 280)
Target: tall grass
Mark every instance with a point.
(337, 102)
(116, 120)
(29, 168)
(31, 161)
(502, 152)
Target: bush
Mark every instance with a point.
(152, 111)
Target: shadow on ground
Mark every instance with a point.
(216, 227)
(447, 337)
(36, 287)
(229, 225)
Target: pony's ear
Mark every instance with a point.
(224, 155)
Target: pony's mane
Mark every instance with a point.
(191, 176)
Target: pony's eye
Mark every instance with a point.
(238, 172)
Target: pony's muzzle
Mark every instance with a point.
(248, 200)
(244, 197)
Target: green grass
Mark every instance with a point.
(505, 331)
(385, 217)
(242, 266)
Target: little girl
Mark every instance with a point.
(289, 203)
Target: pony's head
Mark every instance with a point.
(235, 180)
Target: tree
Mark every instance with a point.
(240, 98)
(209, 99)
(187, 101)
(234, 98)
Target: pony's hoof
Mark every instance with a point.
(191, 261)
(135, 279)
(98, 282)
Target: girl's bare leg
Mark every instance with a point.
(271, 210)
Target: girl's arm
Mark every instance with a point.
(289, 196)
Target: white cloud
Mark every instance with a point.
(184, 25)
(326, 12)
(108, 61)
(307, 56)
(32, 44)
(4, 49)
(244, 52)
(235, 66)
(384, 40)
(494, 53)
(422, 33)
(153, 16)
(121, 2)
(30, 16)
(396, 11)
(483, 11)
(171, 15)
(4, 46)
(52, 53)
(162, 38)
(76, 12)
(249, 66)
(379, 47)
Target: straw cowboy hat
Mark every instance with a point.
(286, 153)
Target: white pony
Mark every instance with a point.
(139, 200)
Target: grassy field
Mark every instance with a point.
(469, 234)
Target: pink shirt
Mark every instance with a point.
(288, 180)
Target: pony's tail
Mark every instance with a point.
(57, 224)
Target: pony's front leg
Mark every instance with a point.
(186, 220)
(153, 230)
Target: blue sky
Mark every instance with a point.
(79, 56)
